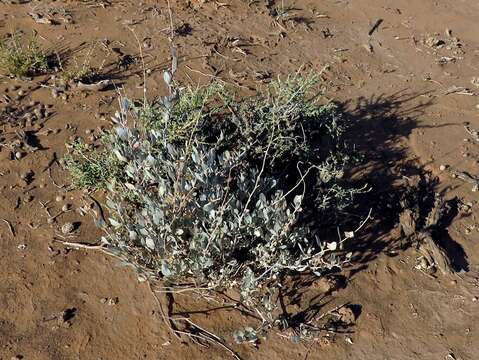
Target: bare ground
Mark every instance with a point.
(409, 84)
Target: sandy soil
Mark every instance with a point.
(408, 82)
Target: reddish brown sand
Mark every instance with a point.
(399, 76)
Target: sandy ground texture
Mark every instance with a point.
(407, 70)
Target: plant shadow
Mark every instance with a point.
(381, 126)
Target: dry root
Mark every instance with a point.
(432, 252)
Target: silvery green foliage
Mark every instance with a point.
(228, 194)
(191, 213)
(248, 334)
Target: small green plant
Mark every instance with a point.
(90, 169)
(81, 71)
(22, 57)
(78, 73)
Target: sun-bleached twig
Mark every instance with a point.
(10, 226)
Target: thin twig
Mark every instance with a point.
(258, 179)
(202, 73)
(364, 221)
(341, 240)
(81, 245)
(375, 26)
(214, 339)
(53, 180)
(172, 290)
(51, 218)
(204, 335)
(142, 65)
(44, 205)
(467, 178)
(473, 133)
(168, 321)
(300, 181)
(331, 311)
(10, 226)
(172, 28)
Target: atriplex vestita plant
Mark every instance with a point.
(207, 192)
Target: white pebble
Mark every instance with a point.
(67, 228)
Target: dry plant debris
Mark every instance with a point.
(420, 229)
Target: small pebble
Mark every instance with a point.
(59, 198)
(113, 301)
(67, 228)
(66, 207)
(475, 298)
(18, 155)
(38, 113)
(442, 167)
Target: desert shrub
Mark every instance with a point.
(228, 193)
(20, 56)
